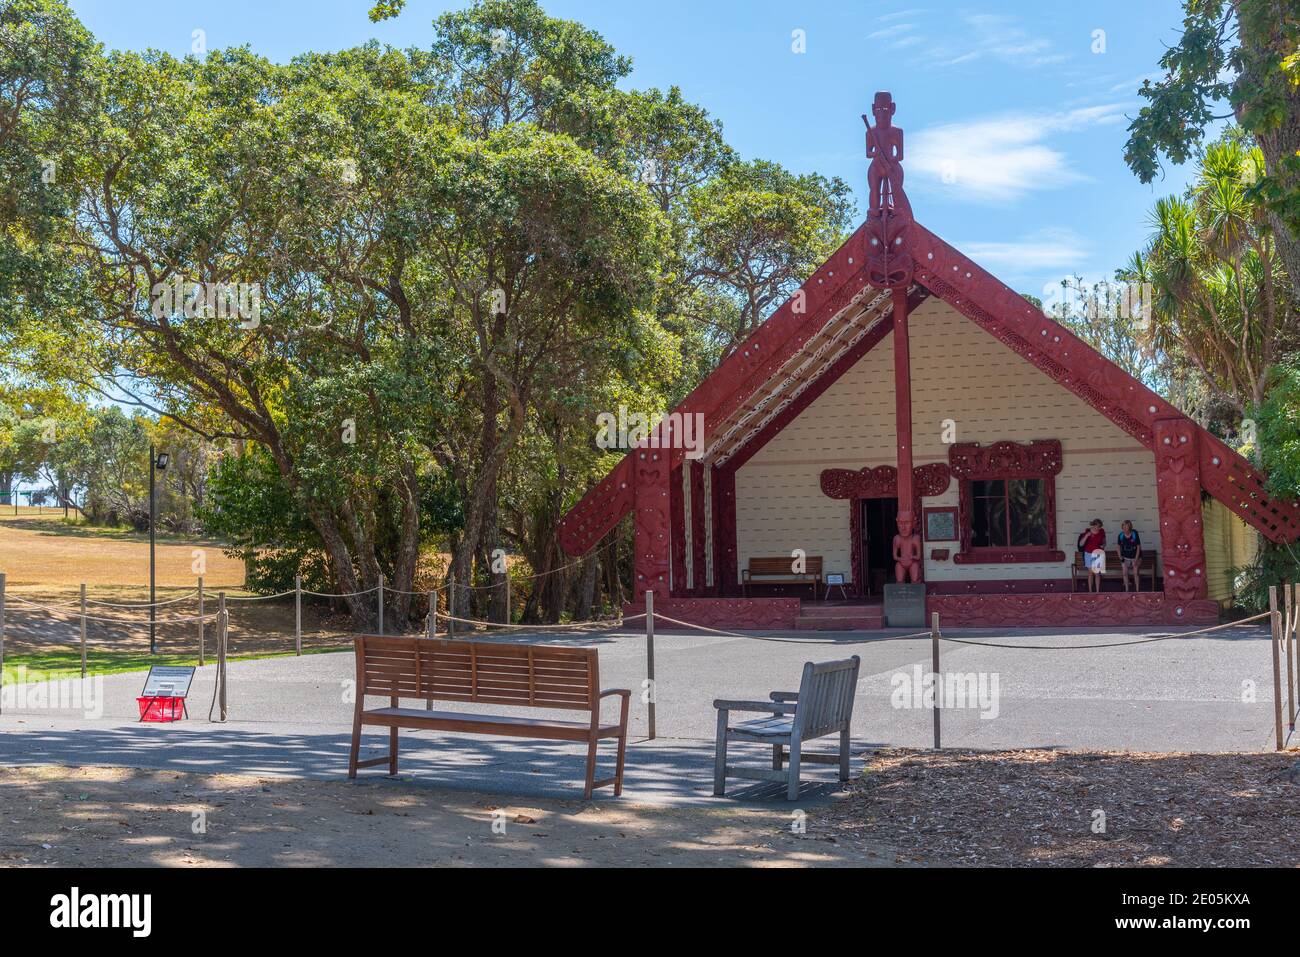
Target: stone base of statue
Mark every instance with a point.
(905, 605)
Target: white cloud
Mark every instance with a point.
(1000, 159)
(892, 32)
(1047, 249)
(992, 36)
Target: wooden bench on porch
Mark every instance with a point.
(779, 571)
(1146, 563)
(484, 672)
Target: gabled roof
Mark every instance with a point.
(837, 309)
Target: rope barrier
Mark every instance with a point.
(282, 594)
(142, 604)
(324, 594)
(788, 641)
(1109, 644)
(563, 627)
(144, 622)
(960, 641)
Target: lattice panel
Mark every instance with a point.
(1240, 486)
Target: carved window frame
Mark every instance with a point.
(973, 462)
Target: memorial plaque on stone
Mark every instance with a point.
(905, 606)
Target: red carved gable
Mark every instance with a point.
(892, 250)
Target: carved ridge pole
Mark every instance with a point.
(889, 266)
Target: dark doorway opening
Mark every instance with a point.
(879, 526)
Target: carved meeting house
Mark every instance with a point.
(904, 396)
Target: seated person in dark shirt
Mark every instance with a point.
(1130, 550)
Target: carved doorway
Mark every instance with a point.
(878, 521)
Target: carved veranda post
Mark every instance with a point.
(652, 518)
(1178, 495)
(890, 267)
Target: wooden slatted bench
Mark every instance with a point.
(778, 571)
(1146, 564)
(483, 672)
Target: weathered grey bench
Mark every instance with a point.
(823, 705)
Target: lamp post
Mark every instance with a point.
(157, 463)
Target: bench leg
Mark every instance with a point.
(591, 770)
(720, 756)
(356, 745)
(392, 751)
(792, 789)
(844, 755)
(618, 768)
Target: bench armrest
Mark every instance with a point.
(771, 707)
(609, 691)
(784, 696)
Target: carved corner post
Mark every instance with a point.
(677, 512)
(698, 533)
(652, 522)
(1178, 493)
(724, 530)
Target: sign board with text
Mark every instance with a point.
(168, 681)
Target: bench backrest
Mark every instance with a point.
(784, 566)
(1146, 560)
(487, 672)
(826, 694)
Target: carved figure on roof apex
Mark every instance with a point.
(885, 150)
(888, 264)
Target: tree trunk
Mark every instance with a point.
(590, 571)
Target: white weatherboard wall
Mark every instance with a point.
(959, 373)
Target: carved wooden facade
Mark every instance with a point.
(834, 320)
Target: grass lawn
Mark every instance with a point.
(45, 666)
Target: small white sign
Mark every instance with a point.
(168, 681)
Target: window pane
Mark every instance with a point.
(983, 488)
(989, 522)
(1027, 505)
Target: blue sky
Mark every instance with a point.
(1015, 127)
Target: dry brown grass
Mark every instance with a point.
(46, 560)
(41, 555)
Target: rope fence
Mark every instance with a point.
(1283, 617)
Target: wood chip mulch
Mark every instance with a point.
(1043, 808)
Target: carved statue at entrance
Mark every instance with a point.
(907, 551)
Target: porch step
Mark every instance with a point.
(845, 610)
(845, 621)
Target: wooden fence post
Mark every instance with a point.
(451, 606)
(297, 614)
(934, 661)
(381, 603)
(1274, 618)
(223, 638)
(650, 657)
(2, 634)
(1292, 611)
(202, 623)
(83, 630)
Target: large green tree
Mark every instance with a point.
(1244, 54)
